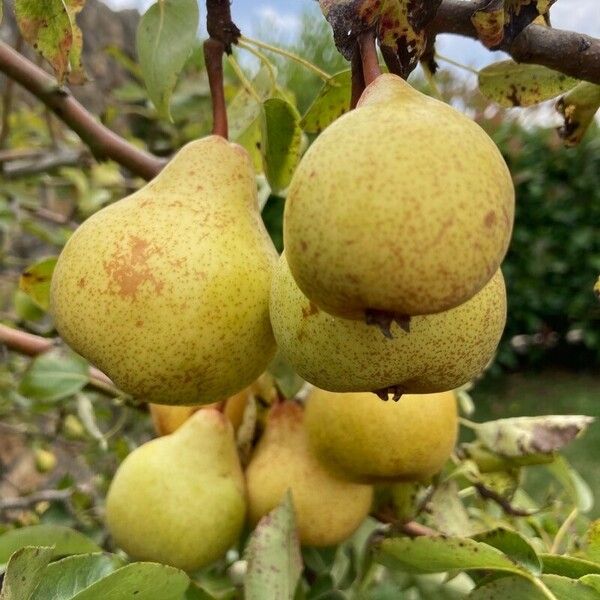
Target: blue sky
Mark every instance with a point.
(283, 16)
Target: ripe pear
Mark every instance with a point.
(180, 499)
(362, 438)
(328, 509)
(402, 206)
(439, 352)
(166, 291)
(167, 418)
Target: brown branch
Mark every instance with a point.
(219, 24)
(43, 164)
(571, 53)
(414, 529)
(368, 53)
(358, 78)
(213, 58)
(502, 502)
(32, 345)
(104, 143)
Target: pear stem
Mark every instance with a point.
(213, 57)
(358, 78)
(368, 54)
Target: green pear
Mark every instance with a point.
(167, 290)
(362, 438)
(180, 499)
(402, 206)
(328, 509)
(439, 352)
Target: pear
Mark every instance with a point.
(362, 438)
(403, 206)
(167, 418)
(166, 291)
(439, 352)
(328, 509)
(180, 499)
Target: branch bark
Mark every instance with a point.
(103, 142)
(32, 345)
(219, 23)
(571, 53)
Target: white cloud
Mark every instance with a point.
(287, 24)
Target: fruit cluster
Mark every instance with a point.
(396, 222)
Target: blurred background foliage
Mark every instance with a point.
(548, 359)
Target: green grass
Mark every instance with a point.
(549, 393)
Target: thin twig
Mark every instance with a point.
(243, 79)
(290, 55)
(564, 529)
(263, 59)
(103, 142)
(504, 504)
(22, 502)
(32, 345)
(358, 77)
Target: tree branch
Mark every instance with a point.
(571, 53)
(219, 24)
(103, 142)
(32, 345)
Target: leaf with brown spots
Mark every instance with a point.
(578, 108)
(400, 26)
(50, 27)
(512, 84)
(332, 102)
(437, 554)
(531, 435)
(273, 555)
(500, 21)
(35, 281)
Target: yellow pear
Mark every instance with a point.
(363, 438)
(439, 352)
(402, 206)
(328, 509)
(180, 499)
(166, 291)
(167, 418)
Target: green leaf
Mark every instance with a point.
(514, 545)
(24, 571)
(592, 547)
(571, 589)
(244, 115)
(568, 566)
(281, 142)
(332, 102)
(65, 578)
(51, 29)
(578, 490)
(513, 588)
(578, 108)
(139, 581)
(35, 281)
(64, 541)
(591, 580)
(520, 436)
(53, 376)
(165, 39)
(445, 511)
(273, 555)
(440, 554)
(517, 84)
